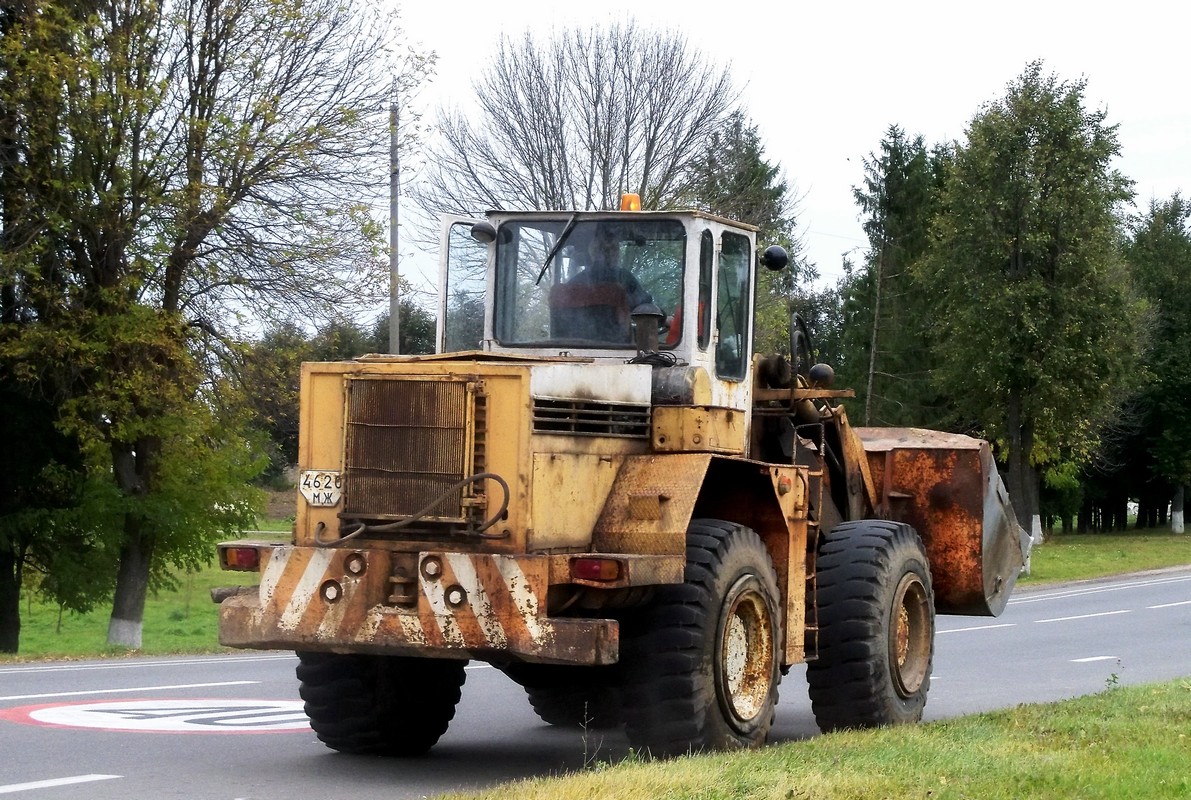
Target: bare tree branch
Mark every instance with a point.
(575, 121)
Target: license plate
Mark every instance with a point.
(323, 488)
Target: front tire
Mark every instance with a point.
(876, 627)
(701, 663)
(379, 705)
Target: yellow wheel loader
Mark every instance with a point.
(593, 486)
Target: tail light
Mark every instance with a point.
(244, 558)
(595, 569)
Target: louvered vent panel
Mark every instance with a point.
(589, 418)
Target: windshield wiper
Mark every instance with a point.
(558, 243)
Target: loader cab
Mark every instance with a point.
(662, 288)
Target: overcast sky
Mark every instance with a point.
(823, 81)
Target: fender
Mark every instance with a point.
(654, 498)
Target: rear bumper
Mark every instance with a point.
(450, 605)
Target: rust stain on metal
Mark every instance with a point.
(645, 506)
(862, 492)
(939, 483)
(677, 476)
(698, 429)
(945, 507)
(467, 604)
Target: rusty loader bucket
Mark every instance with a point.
(946, 485)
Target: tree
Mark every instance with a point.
(418, 329)
(54, 180)
(898, 199)
(268, 372)
(184, 167)
(732, 179)
(1034, 323)
(575, 121)
(1159, 250)
(822, 310)
(42, 480)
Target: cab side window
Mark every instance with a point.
(706, 260)
(463, 291)
(732, 345)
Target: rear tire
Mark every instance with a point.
(379, 705)
(701, 663)
(570, 697)
(876, 627)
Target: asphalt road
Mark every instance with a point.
(135, 728)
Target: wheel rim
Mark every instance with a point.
(910, 636)
(745, 660)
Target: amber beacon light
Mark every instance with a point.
(630, 202)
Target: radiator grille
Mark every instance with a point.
(407, 442)
(588, 418)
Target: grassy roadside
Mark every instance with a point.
(1124, 742)
(1084, 556)
(181, 620)
(184, 621)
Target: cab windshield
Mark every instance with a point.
(598, 272)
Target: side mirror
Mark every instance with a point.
(775, 257)
(483, 232)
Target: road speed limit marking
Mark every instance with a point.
(168, 716)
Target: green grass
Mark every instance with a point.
(182, 621)
(276, 525)
(1080, 556)
(1124, 742)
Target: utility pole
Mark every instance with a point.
(872, 348)
(394, 240)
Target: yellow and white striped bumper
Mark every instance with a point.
(457, 605)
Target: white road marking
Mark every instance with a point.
(1171, 605)
(168, 716)
(178, 663)
(181, 662)
(1090, 659)
(1084, 616)
(980, 627)
(132, 689)
(49, 784)
(481, 665)
(1084, 590)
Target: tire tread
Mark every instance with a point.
(848, 687)
(364, 704)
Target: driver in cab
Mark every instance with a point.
(597, 302)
